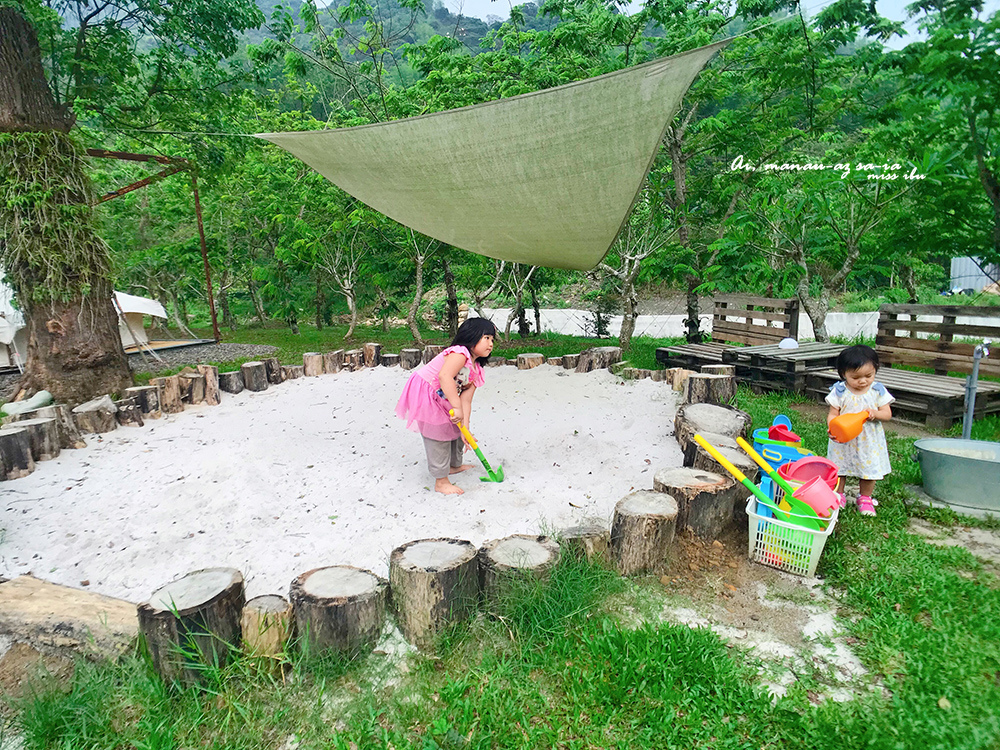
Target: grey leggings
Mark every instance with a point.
(443, 455)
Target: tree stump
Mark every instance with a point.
(729, 370)
(69, 433)
(712, 438)
(43, 436)
(372, 354)
(192, 388)
(705, 500)
(275, 375)
(148, 399)
(353, 360)
(434, 582)
(292, 372)
(512, 361)
(703, 460)
(312, 364)
(723, 420)
(340, 608)
(643, 529)
(266, 624)
(505, 561)
(529, 361)
(333, 361)
(554, 361)
(679, 376)
(431, 351)
(254, 376)
(709, 389)
(570, 361)
(15, 453)
(96, 415)
(211, 375)
(410, 358)
(232, 382)
(128, 412)
(390, 360)
(590, 541)
(598, 358)
(192, 621)
(170, 394)
(658, 376)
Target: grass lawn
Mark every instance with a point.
(561, 665)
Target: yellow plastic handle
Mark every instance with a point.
(726, 463)
(754, 455)
(468, 435)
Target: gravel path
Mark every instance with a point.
(187, 355)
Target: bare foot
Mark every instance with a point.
(457, 469)
(447, 488)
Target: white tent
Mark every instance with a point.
(14, 334)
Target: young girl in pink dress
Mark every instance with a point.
(449, 381)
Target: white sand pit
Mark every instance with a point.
(319, 471)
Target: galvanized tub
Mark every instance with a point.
(961, 472)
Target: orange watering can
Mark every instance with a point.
(846, 427)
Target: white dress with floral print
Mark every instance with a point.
(865, 457)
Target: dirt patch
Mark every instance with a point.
(984, 544)
(22, 666)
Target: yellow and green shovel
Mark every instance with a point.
(493, 476)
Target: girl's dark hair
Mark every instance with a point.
(471, 331)
(856, 357)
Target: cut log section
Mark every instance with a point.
(390, 360)
(703, 460)
(705, 500)
(590, 541)
(292, 372)
(148, 398)
(679, 377)
(372, 354)
(570, 361)
(192, 388)
(410, 358)
(170, 394)
(723, 420)
(503, 561)
(232, 382)
(643, 531)
(434, 582)
(15, 453)
(43, 436)
(266, 624)
(431, 351)
(333, 361)
(729, 370)
(530, 360)
(600, 357)
(211, 375)
(709, 389)
(496, 362)
(275, 375)
(712, 438)
(312, 364)
(192, 622)
(353, 360)
(658, 376)
(254, 376)
(554, 361)
(96, 415)
(340, 609)
(69, 433)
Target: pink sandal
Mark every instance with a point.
(842, 500)
(866, 505)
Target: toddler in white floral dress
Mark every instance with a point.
(866, 456)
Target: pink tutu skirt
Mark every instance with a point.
(426, 412)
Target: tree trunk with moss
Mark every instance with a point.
(59, 267)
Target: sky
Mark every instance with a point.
(892, 9)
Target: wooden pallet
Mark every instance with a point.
(772, 368)
(900, 328)
(937, 400)
(692, 356)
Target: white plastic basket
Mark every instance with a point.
(784, 545)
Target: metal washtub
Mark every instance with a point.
(961, 472)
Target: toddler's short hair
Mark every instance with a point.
(856, 357)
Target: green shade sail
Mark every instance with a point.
(546, 178)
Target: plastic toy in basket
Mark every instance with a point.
(784, 545)
(778, 452)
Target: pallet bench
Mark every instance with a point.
(770, 368)
(737, 320)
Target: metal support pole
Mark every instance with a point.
(204, 257)
(971, 382)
